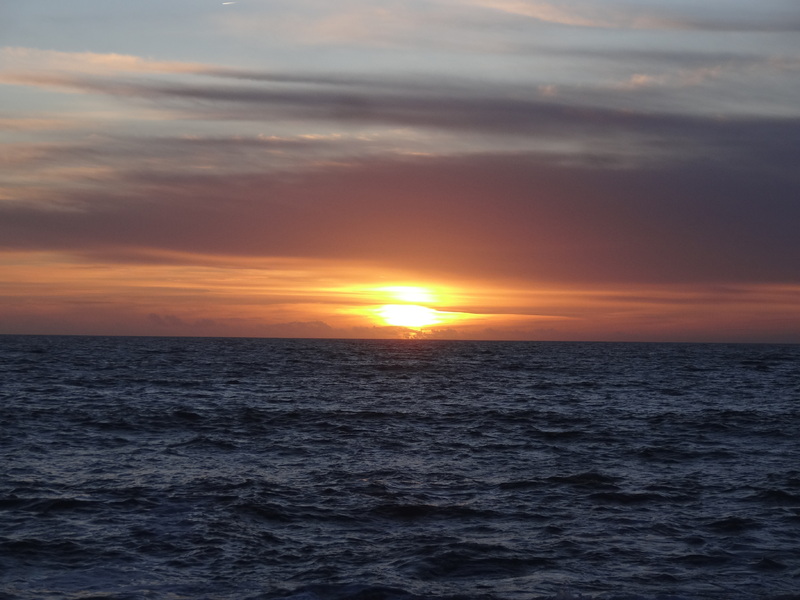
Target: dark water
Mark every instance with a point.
(249, 469)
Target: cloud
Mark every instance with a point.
(33, 124)
(35, 59)
(18, 61)
(298, 329)
(470, 111)
(384, 24)
(170, 324)
(96, 160)
(771, 16)
(650, 99)
(546, 11)
(504, 216)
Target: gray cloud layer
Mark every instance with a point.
(465, 109)
(515, 216)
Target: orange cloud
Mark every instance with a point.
(20, 59)
(34, 124)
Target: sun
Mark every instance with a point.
(409, 306)
(412, 316)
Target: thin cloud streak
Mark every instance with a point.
(773, 16)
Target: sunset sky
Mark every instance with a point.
(465, 169)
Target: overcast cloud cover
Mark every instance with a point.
(546, 153)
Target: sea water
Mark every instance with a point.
(177, 468)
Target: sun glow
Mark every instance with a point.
(412, 316)
(410, 293)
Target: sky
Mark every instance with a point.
(600, 170)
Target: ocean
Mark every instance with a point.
(244, 469)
